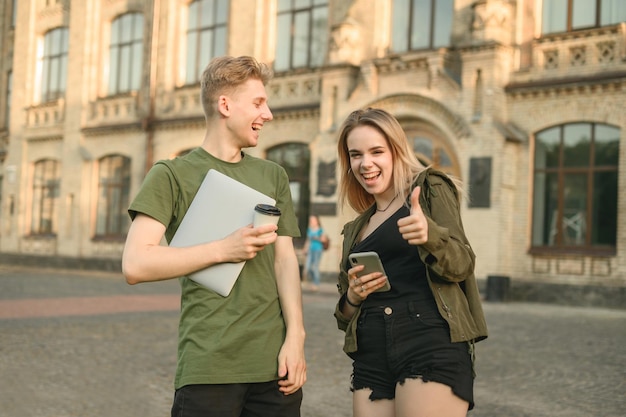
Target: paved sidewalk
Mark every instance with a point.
(85, 344)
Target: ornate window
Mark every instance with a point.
(126, 54)
(575, 188)
(206, 35)
(421, 24)
(113, 196)
(53, 64)
(569, 15)
(46, 181)
(302, 34)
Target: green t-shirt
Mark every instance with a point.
(234, 339)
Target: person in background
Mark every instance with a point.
(314, 248)
(241, 355)
(412, 346)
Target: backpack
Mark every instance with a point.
(325, 242)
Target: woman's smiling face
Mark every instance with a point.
(371, 160)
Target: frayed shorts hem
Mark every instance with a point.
(380, 393)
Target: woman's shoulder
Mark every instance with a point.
(431, 177)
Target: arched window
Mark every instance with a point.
(575, 188)
(113, 196)
(207, 27)
(46, 182)
(432, 149)
(296, 159)
(126, 54)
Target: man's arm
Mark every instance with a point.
(291, 361)
(146, 259)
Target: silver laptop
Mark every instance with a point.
(221, 206)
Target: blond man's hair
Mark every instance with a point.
(224, 74)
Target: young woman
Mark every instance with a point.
(412, 346)
(314, 248)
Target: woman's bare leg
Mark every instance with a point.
(362, 406)
(416, 398)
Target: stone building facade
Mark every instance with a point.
(523, 100)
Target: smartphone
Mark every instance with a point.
(372, 264)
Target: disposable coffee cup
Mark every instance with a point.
(265, 214)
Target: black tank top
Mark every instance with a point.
(405, 270)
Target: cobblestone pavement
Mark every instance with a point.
(85, 344)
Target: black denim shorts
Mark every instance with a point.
(236, 400)
(409, 340)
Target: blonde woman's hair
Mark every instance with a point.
(406, 166)
(224, 74)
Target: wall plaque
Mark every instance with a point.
(326, 178)
(480, 182)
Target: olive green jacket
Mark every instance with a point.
(447, 255)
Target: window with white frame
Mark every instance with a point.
(575, 187)
(113, 196)
(206, 35)
(301, 34)
(126, 54)
(53, 64)
(46, 182)
(569, 15)
(421, 24)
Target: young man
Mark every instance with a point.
(241, 355)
